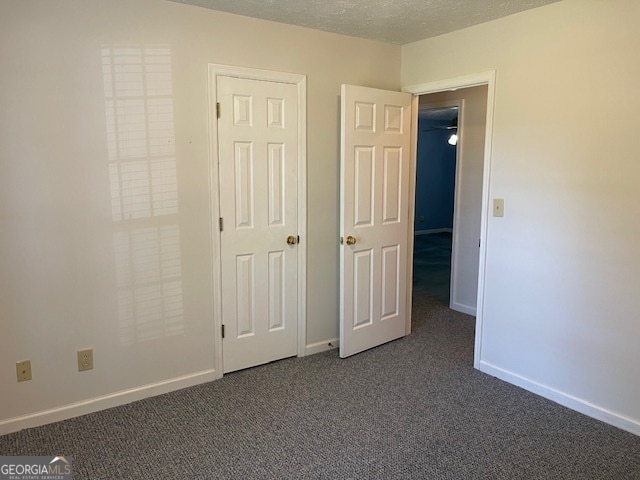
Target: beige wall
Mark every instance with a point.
(560, 309)
(560, 315)
(470, 164)
(70, 269)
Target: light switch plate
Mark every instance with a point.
(498, 207)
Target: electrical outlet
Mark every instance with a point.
(85, 359)
(23, 370)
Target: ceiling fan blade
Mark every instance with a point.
(448, 127)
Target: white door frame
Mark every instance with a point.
(485, 78)
(214, 71)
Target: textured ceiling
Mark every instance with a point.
(391, 21)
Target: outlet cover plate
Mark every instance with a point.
(23, 370)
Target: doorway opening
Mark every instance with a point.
(434, 199)
(449, 195)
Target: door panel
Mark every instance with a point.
(375, 149)
(258, 149)
(390, 276)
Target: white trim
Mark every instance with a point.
(302, 215)
(216, 70)
(462, 308)
(413, 169)
(433, 230)
(257, 74)
(594, 411)
(465, 81)
(105, 401)
(455, 238)
(323, 346)
(489, 79)
(214, 228)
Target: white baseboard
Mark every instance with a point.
(612, 418)
(322, 346)
(459, 307)
(433, 230)
(106, 401)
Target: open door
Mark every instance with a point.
(374, 216)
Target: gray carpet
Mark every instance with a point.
(432, 265)
(413, 408)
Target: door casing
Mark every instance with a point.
(215, 70)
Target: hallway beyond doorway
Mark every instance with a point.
(432, 265)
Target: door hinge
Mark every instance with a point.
(221, 224)
(223, 331)
(218, 110)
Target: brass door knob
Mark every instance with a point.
(291, 240)
(351, 240)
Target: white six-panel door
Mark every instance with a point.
(257, 141)
(375, 157)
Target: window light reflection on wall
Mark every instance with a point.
(142, 171)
